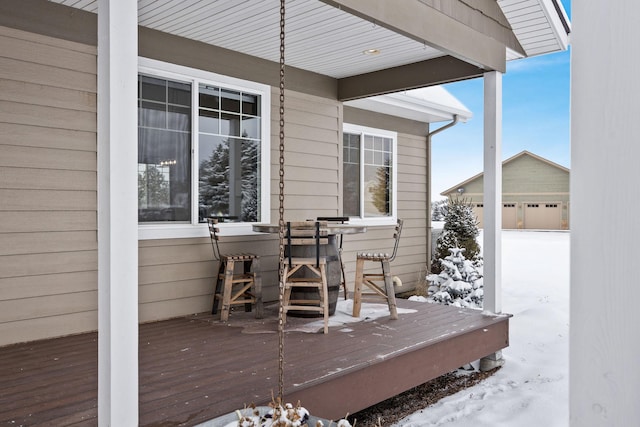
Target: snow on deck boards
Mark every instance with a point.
(195, 368)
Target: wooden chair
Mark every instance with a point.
(362, 279)
(233, 287)
(306, 273)
(338, 220)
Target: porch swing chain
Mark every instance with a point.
(281, 218)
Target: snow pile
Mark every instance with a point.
(532, 388)
(343, 316)
(279, 416)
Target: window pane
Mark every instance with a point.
(209, 97)
(164, 175)
(179, 93)
(179, 118)
(351, 190)
(229, 177)
(230, 124)
(378, 143)
(250, 105)
(368, 142)
(250, 127)
(377, 191)
(229, 163)
(368, 157)
(351, 175)
(153, 89)
(152, 114)
(164, 151)
(230, 101)
(209, 121)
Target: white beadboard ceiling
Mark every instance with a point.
(319, 37)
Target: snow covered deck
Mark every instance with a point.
(195, 368)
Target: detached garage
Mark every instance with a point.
(535, 193)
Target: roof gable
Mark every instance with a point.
(519, 174)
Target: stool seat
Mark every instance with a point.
(373, 256)
(239, 257)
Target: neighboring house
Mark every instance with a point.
(535, 193)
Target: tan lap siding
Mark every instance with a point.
(312, 160)
(48, 246)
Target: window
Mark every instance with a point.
(369, 174)
(203, 149)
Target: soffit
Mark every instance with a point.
(326, 39)
(319, 37)
(541, 26)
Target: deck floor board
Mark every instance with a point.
(195, 368)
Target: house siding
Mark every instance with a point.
(48, 188)
(48, 230)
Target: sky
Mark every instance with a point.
(535, 117)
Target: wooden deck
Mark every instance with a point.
(195, 368)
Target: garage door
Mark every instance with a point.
(543, 216)
(477, 210)
(509, 216)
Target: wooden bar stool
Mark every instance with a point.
(305, 270)
(233, 288)
(385, 290)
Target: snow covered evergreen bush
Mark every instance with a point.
(439, 210)
(459, 283)
(460, 231)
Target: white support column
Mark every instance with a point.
(492, 211)
(604, 345)
(117, 213)
(492, 199)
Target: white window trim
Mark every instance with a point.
(362, 130)
(195, 76)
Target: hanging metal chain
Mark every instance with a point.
(281, 217)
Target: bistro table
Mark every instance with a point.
(330, 251)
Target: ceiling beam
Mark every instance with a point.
(436, 71)
(427, 25)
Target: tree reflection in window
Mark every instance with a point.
(228, 176)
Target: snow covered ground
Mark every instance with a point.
(532, 387)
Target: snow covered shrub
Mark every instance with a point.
(459, 283)
(460, 231)
(438, 210)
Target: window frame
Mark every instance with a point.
(362, 131)
(194, 77)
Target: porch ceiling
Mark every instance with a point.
(330, 37)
